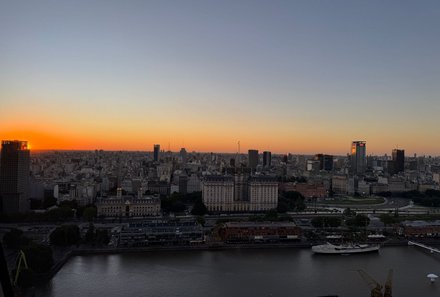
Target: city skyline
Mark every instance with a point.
(242, 152)
(283, 77)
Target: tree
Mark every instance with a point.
(35, 203)
(348, 212)
(60, 214)
(282, 207)
(293, 200)
(359, 220)
(322, 222)
(65, 235)
(102, 237)
(172, 204)
(73, 204)
(14, 239)
(200, 220)
(90, 234)
(49, 201)
(89, 213)
(271, 215)
(199, 208)
(388, 219)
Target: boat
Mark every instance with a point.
(329, 248)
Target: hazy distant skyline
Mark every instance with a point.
(284, 76)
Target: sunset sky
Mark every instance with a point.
(286, 76)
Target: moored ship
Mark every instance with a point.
(329, 248)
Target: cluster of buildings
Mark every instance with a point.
(132, 183)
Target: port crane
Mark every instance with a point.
(377, 290)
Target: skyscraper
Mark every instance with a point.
(267, 159)
(156, 152)
(183, 155)
(253, 159)
(325, 162)
(358, 157)
(398, 160)
(14, 176)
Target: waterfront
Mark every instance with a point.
(242, 272)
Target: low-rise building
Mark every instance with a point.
(311, 191)
(259, 231)
(379, 188)
(411, 229)
(162, 232)
(128, 205)
(339, 184)
(159, 187)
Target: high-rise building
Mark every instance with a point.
(156, 152)
(399, 160)
(253, 159)
(267, 159)
(358, 157)
(183, 155)
(183, 184)
(325, 162)
(14, 176)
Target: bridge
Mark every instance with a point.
(431, 249)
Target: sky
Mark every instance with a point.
(285, 76)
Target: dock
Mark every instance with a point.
(431, 249)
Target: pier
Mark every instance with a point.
(431, 249)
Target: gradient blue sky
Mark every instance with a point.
(288, 76)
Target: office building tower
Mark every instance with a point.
(156, 152)
(325, 162)
(183, 184)
(183, 155)
(253, 159)
(267, 159)
(358, 157)
(399, 160)
(14, 176)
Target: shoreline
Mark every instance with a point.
(82, 251)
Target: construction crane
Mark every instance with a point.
(376, 287)
(388, 292)
(21, 265)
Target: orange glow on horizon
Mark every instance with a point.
(200, 142)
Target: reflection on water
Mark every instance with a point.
(270, 272)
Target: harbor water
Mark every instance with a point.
(244, 272)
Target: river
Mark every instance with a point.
(244, 273)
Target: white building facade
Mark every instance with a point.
(128, 206)
(220, 194)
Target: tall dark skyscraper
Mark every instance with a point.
(183, 155)
(156, 152)
(325, 162)
(398, 160)
(14, 176)
(358, 157)
(267, 159)
(253, 159)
